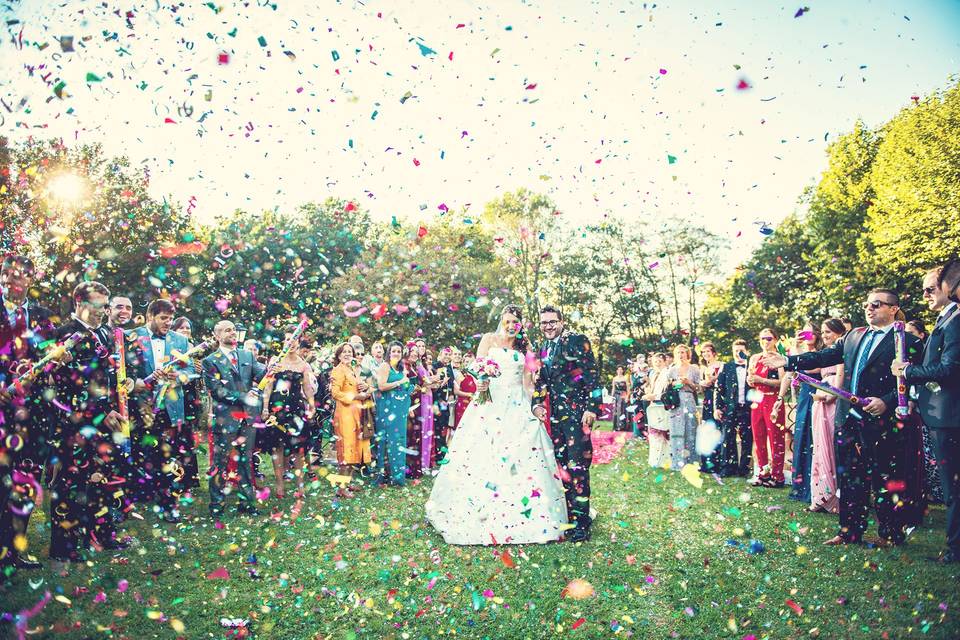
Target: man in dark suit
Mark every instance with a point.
(732, 410)
(24, 326)
(231, 375)
(937, 382)
(82, 493)
(568, 398)
(871, 445)
(157, 440)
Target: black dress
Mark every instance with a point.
(287, 424)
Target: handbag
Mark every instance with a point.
(367, 423)
(670, 397)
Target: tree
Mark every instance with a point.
(525, 229)
(913, 222)
(271, 269)
(86, 217)
(443, 281)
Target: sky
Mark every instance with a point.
(718, 112)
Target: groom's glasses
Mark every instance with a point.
(549, 323)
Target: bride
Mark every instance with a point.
(499, 483)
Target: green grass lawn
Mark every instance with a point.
(667, 560)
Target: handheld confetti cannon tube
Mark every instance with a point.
(118, 339)
(900, 344)
(55, 353)
(828, 388)
(287, 345)
(178, 358)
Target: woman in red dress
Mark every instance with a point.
(464, 386)
(766, 423)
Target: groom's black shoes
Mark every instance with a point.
(579, 534)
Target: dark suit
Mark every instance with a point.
(232, 419)
(735, 421)
(567, 386)
(26, 416)
(941, 411)
(871, 451)
(81, 499)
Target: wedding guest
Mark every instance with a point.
(287, 413)
(85, 383)
(823, 468)
(392, 413)
(767, 425)
(847, 324)
(414, 371)
(871, 450)
(639, 374)
(349, 391)
(732, 409)
(917, 328)
(196, 403)
(806, 340)
(428, 382)
(443, 402)
(158, 440)
(709, 371)
(937, 382)
(119, 312)
(620, 390)
(658, 416)
(24, 416)
(323, 420)
(683, 423)
(464, 387)
(231, 375)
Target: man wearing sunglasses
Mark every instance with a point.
(937, 382)
(871, 448)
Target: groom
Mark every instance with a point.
(567, 398)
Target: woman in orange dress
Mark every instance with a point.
(349, 392)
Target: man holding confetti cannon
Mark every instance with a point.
(88, 428)
(24, 328)
(937, 384)
(161, 369)
(870, 440)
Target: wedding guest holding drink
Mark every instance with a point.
(659, 416)
(349, 392)
(392, 412)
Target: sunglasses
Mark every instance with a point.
(876, 304)
(928, 291)
(766, 338)
(549, 323)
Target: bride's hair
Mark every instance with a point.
(520, 342)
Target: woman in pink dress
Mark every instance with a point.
(823, 469)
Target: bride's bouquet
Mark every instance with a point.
(484, 369)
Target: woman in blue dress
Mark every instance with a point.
(393, 406)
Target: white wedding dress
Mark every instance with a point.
(499, 484)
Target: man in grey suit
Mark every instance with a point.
(937, 382)
(231, 375)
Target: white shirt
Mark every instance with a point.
(742, 383)
(159, 347)
(231, 354)
(877, 339)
